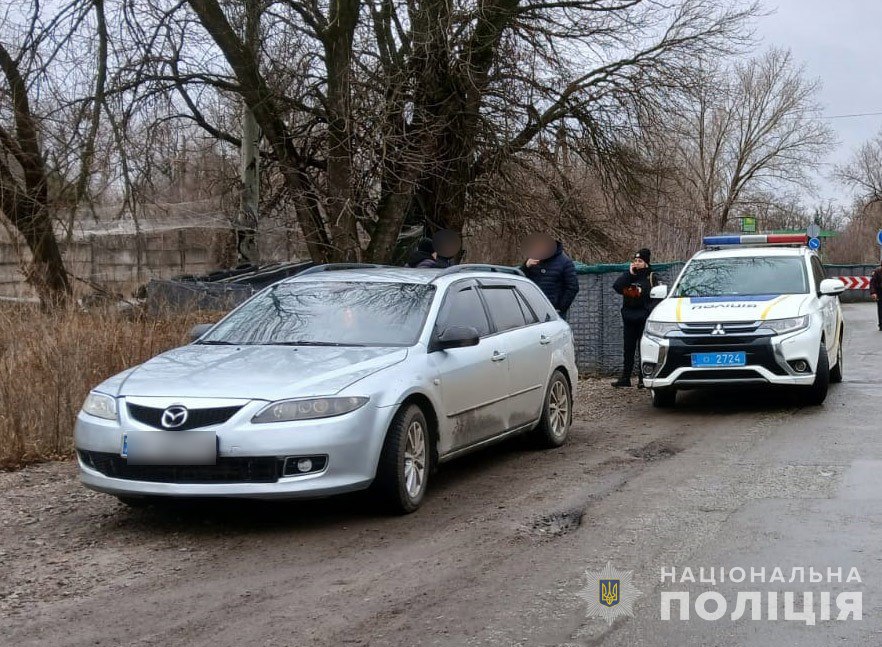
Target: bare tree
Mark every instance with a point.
(746, 133)
(863, 172)
(380, 112)
(24, 186)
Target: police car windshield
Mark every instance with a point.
(743, 276)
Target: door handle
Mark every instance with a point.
(545, 340)
(497, 356)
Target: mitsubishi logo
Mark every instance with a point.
(175, 416)
(718, 330)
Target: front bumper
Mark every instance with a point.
(251, 458)
(770, 360)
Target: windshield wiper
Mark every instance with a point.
(217, 342)
(311, 343)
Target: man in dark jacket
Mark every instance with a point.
(634, 286)
(437, 252)
(876, 292)
(423, 255)
(552, 271)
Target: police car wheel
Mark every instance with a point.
(664, 398)
(836, 371)
(815, 394)
(557, 413)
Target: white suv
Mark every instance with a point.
(744, 313)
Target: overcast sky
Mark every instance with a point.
(840, 42)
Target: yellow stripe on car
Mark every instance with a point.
(680, 309)
(765, 312)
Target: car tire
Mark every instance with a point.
(664, 398)
(814, 395)
(405, 462)
(557, 413)
(836, 371)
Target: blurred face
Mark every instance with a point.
(447, 243)
(639, 264)
(539, 246)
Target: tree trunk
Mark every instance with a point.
(25, 199)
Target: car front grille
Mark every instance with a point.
(254, 469)
(196, 418)
(758, 351)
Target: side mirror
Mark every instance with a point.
(198, 330)
(659, 292)
(832, 286)
(456, 337)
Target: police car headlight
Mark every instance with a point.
(100, 406)
(792, 324)
(660, 328)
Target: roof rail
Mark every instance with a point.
(479, 267)
(336, 267)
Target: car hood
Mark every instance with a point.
(748, 308)
(252, 372)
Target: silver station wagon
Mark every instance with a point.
(341, 378)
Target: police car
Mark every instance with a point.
(750, 309)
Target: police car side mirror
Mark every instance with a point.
(831, 287)
(659, 292)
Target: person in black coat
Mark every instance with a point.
(634, 285)
(423, 255)
(552, 271)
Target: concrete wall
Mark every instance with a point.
(118, 261)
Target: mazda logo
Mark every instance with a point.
(718, 330)
(175, 416)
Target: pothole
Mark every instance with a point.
(557, 524)
(656, 450)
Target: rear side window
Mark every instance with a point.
(463, 307)
(504, 308)
(537, 301)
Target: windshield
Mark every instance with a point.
(729, 277)
(329, 314)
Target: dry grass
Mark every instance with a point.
(48, 363)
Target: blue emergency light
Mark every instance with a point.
(728, 240)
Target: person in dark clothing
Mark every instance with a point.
(552, 271)
(423, 255)
(436, 252)
(876, 292)
(634, 286)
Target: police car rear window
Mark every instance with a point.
(743, 276)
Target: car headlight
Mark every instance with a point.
(792, 324)
(100, 406)
(293, 410)
(660, 328)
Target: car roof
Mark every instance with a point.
(383, 274)
(752, 252)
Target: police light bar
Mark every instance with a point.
(755, 239)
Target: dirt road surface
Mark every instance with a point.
(499, 552)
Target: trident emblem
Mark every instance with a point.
(609, 592)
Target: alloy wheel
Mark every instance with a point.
(559, 408)
(415, 459)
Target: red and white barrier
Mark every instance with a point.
(855, 282)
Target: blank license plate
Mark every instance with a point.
(703, 360)
(159, 447)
